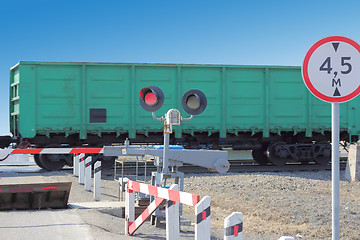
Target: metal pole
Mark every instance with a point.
(136, 169)
(145, 172)
(165, 169)
(335, 171)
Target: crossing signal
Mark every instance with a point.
(151, 98)
(194, 102)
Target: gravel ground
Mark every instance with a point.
(280, 203)
(274, 204)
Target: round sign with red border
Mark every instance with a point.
(331, 69)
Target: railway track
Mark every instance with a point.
(235, 167)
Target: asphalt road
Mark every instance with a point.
(46, 224)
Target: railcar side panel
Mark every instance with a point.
(96, 99)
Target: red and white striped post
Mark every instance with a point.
(202, 224)
(129, 208)
(233, 226)
(202, 209)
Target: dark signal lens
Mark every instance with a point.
(193, 102)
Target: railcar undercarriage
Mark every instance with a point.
(276, 149)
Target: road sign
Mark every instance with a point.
(331, 69)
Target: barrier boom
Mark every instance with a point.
(168, 194)
(50, 150)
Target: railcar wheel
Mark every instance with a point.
(275, 154)
(259, 155)
(52, 162)
(107, 162)
(324, 156)
(37, 160)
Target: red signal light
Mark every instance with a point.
(151, 98)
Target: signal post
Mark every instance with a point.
(151, 99)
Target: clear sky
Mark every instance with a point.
(167, 31)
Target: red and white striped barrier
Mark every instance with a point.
(52, 150)
(172, 195)
(145, 214)
(202, 209)
(233, 226)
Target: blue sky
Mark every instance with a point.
(171, 31)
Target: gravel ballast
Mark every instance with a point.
(274, 204)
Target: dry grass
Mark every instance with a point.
(280, 205)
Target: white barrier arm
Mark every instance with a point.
(211, 159)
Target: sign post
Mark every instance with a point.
(335, 170)
(331, 71)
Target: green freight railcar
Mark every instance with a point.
(264, 108)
